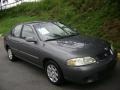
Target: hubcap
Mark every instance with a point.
(10, 55)
(52, 73)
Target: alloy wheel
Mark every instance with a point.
(52, 73)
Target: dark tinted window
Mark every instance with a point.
(17, 31)
(27, 32)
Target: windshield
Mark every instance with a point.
(56, 30)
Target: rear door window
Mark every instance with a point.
(17, 31)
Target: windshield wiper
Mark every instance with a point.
(50, 39)
(54, 39)
(56, 36)
(70, 35)
(62, 37)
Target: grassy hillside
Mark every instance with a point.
(98, 18)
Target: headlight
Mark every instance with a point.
(81, 61)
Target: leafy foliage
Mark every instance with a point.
(90, 17)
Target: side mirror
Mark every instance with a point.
(31, 39)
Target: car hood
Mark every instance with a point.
(80, 45)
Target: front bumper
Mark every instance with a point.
(91, 72)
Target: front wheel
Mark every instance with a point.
(54, 73)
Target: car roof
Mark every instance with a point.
(36, 22)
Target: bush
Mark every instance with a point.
(88, 16)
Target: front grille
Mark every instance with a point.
(103, 55)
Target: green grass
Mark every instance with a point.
(87, 16)
(8, 23)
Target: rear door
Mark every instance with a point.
(14, 40)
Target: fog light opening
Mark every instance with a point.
(91, 79)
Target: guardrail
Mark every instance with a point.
(17, 2)
(9, 5)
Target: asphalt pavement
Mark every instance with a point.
(21, 75)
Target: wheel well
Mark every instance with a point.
(46, 60)
(6, 47)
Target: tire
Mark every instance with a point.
(54, 73)
(11, 56)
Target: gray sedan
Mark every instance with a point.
(60, 51)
